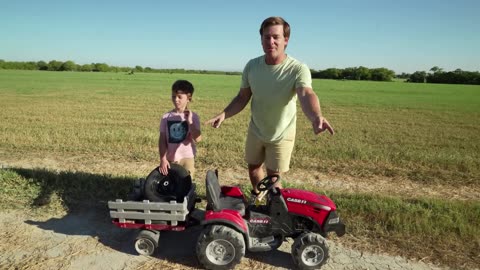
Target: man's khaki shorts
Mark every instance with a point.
(275, 155)
(188, 164)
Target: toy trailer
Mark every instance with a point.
(151, 218)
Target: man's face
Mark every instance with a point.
(273, 41)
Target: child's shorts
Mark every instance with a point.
(188, 164)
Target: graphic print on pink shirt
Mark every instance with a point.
(177, 131)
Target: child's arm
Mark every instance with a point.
(162, 149)
(196, 134)
(194, 126)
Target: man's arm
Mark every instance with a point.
(311, 108)
(236, 105)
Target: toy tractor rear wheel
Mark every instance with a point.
(220, 247)
(146, 242)
(309, 251)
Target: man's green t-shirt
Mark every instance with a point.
(273, 104)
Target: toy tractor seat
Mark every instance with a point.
(218, 201)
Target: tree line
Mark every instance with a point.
(355, 73)
(435, 75)
(54, 65)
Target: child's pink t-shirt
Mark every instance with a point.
(180, 143)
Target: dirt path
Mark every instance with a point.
(87, 240)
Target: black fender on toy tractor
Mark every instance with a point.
(306, 224)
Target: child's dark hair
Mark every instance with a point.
(184, 86)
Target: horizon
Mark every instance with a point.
(208, 70)
(404, 37)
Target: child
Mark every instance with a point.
(179, 131)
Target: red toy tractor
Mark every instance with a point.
(231, 225)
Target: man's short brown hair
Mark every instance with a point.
(276, 21)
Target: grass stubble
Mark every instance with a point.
(425, 134)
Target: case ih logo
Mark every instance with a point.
(296, 200)
(259, 220)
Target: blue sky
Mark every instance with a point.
(404, 36)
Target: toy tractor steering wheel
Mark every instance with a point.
(267, 183)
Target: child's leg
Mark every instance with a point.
(189, 165)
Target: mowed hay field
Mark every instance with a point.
(424, 134)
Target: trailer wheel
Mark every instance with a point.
(146, 242)
(309, 251)
(220, 247)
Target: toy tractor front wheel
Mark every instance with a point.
(220, 247)
(146, 242)
(309, 251)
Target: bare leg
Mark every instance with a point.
(272, 173)
(255, 172)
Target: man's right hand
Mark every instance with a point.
(216, 121)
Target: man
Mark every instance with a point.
(273, 82)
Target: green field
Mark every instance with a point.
(424, 133)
